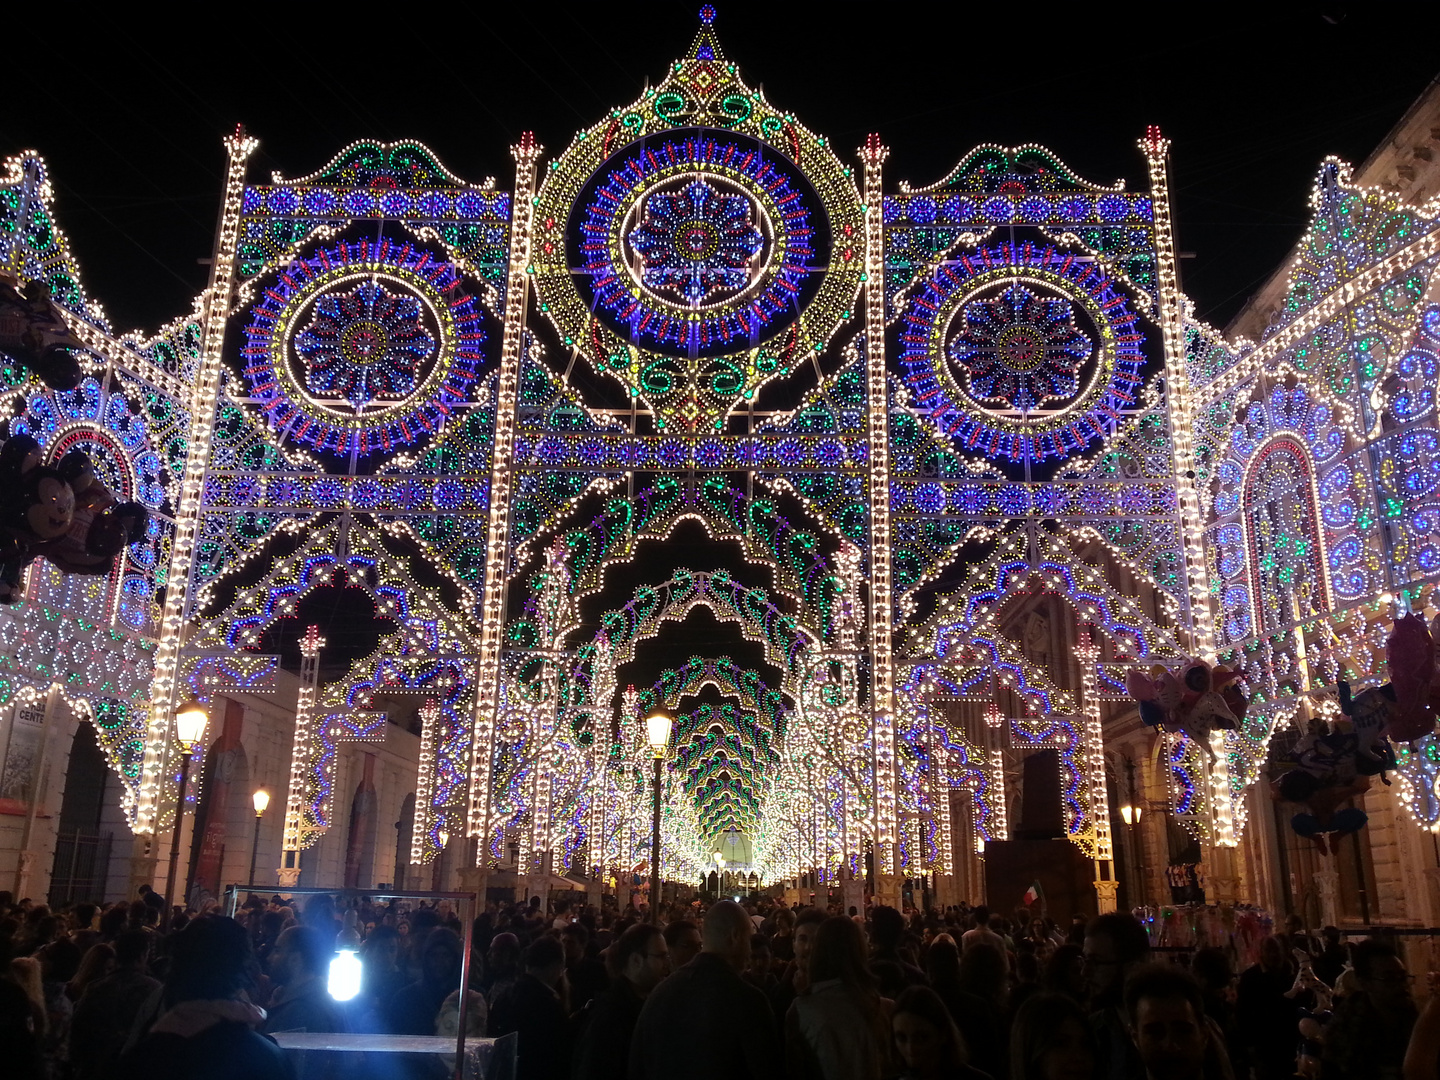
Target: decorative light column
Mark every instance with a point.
(1093, 744)
(497, 544)
(882, 671)
(1178, 399)
(425, 780)
(999, 815)
(293, 836)
(202, 405)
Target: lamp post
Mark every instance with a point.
(190, 721)
(1130, 812)
(719, 874)
(657, 730)
(261, 800)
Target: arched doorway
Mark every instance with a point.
(82, 850)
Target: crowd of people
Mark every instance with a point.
(730, 990)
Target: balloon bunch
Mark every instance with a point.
(1201, 699)
(1414, 679)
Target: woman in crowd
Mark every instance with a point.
(838, 1029)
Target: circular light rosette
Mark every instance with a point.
(363, 348)
(1021, 352)
(696, 263)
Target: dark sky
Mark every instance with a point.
(130, 114)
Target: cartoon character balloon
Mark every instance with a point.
(1201, 699)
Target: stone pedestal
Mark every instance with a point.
(288, 877)
(142, 869)
(852, 895)
(475, 879)
(889, 890)
(1105, 892)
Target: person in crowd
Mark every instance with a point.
(978, 1018)
(1211, 968)
(107, 1010)
(683, 939)
(98, 961)
(1051, 1040)
(535, 1008)
(584, 972)
(59, 963)
(795, 977)
(838, 1029)
(1266, 1014)
(759, 973)
(381, 976)
(1332, 959)
(207, 1029)
(981, 933)
(1371, 1026)
(887, 928)
(702, 1005)
(19, 1038)
(638, 962)
(299, 966)
(1115, 945)
(927, 1044)
(1166, 1013)
(502, 966)
(414, 1008)
(1064, 973)
(982, 974)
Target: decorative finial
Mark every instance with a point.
(707, 14)
(1154, 144)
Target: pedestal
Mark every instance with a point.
(1105, 896)
(1327, 884)
(289, 878)
(24, 870)
(889, 891)
(475, 879)
(852, 895)
(142, 869)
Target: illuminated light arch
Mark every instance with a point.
(801, 571)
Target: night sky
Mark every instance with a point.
(130, 114)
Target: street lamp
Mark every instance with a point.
(657, 730)
(190, 721)
(719, 872)
(261, 799)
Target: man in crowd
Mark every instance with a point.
(300, 964)
(639, 960)
(535, 1009)
(1115, 945)
(1166, 1012)
(682, 937)
(702, 1005)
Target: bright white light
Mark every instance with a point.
(657, 730)
(344, 975)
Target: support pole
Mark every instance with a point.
(185, 753)
(655, 846)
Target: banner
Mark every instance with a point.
(19, 777)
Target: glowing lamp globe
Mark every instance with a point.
(190, 721)
(657, 730)
(345, 975)
(261, 799)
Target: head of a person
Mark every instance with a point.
(301, 952)
(759, 954)
(726, 934)
(82, 916)
(942, 961)
(1211, 968)
(980, 916)
(211, 958)
(1294, 924)
(887, 927)
(503, 957)
(132, 950)
(1065, 972)
(926, 1038)
(381, 950)
(545, 959)
(1051, 1040)
(682, 938)
(574, 937)
(1381, 975)
(1166, 1015)
(1331, 936)
(440, 960)
(1115, 944)
(839, 953)
(641, 957)
(1272, 953)
(803, 940)
(59, 960)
